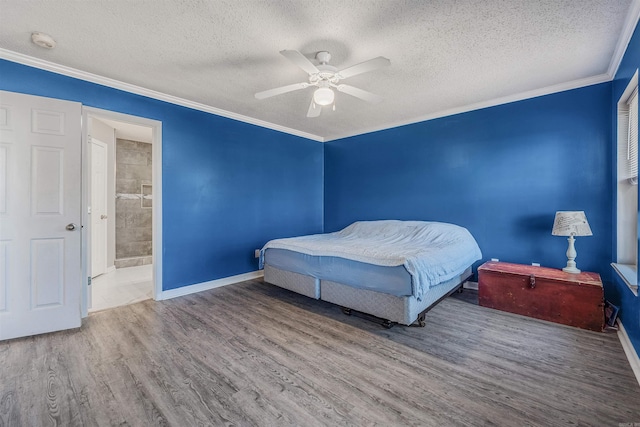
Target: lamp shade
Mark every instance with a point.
(323, 96)
(571, 223)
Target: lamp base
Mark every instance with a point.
(571, 257)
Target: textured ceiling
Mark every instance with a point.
(445, 55)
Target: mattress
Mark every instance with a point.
(394, 280)
(430, 252)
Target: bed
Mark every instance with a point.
(392, 270)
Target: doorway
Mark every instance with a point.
(123, 209)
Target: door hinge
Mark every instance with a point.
(89, 281)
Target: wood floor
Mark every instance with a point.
(256, 355)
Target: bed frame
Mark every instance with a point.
(389, 309)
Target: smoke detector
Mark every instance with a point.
(43, 40)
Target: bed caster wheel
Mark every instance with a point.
(346, 311)
(388, 324)
(460, 289)
(422, 323)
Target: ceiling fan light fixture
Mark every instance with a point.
(323, 96)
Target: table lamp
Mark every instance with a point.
(571, 223)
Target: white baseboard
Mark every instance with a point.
(470, 285)
(110, 269)
(204, 286)
(629, 350)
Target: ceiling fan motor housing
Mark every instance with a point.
(326, 72)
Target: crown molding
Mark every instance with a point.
(116, 84)
(561, 87)
(629, 27)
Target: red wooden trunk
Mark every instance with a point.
(543, 293)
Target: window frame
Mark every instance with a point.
(627, 243)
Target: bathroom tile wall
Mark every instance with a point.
(133, 222)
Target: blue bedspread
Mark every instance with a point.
(432, 252)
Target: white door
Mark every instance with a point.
(40, 214)
(98, 207)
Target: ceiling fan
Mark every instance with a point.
(326, 78)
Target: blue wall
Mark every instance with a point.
(228, 186)
(619, 293)
(501, 172)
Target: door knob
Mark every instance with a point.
(71, 227)
(103, 217)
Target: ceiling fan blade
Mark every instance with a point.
(280, 90)
(300, 60)
(365, 66)
(359, 93)
(314, 109)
